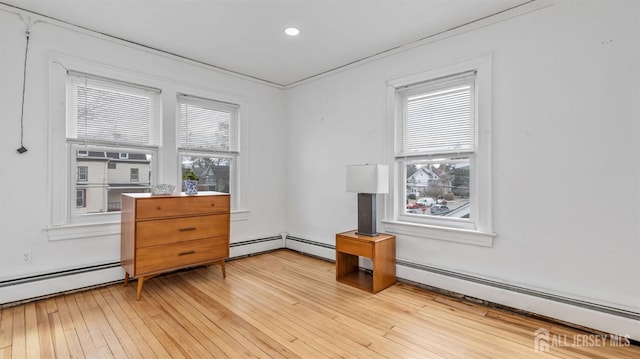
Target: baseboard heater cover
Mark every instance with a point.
(313, 243)
(522, 290)
(254, 241)
(91, 268)
(58, 274)
(495, 284)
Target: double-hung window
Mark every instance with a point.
(436, 148)
(112, 132)
(441, 154)
(208, 141)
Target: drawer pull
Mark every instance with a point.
(213, 204)
(186, 253)
(187, 229)
(159, 208)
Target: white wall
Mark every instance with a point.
(24, 213)
(565, 145)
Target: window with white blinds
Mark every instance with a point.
(106, 111)
(435, 150)
(206, 125)
(437, 117)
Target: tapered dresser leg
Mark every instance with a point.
(140, 284)
(126, 278)
(224, 272)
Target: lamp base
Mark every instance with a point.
(367, 214)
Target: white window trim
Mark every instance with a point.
(481, 233)
(60, 147)
(240, 172)
(60, 227)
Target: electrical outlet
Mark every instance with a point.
(26, 256)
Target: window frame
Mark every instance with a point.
(75, 142)
(237, 144)
(83, 197)
(60, 194)
(133, 178)
(83, 173)
(479, 230)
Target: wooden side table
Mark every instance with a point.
(381, 249)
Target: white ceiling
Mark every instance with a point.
(246, 36)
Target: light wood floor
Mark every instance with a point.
(279, 304)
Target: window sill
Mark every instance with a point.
(240, 215)
(82, 231)
(93, 230)
(464, 236)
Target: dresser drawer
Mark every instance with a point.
(353, 246)
(180, 206)
(183, 254)
(172, 230)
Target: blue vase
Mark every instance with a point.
(190, 187)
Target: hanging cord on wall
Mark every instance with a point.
(23, 149)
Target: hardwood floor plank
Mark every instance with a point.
(261, 316)
(324, 339)
(235, 325)
(59, 341)
(6, 328)
(45, 337)
(119, 329)
(5, 353)
(278, 305)
(31, 332)
(18, 340)
(68, 328)
(143, 330)
(97, 318)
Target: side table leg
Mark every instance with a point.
(126, 278)
(224, 272)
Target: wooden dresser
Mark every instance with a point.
(165, 233)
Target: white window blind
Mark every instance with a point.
(112, 112)
(437, 116)
(206, 125)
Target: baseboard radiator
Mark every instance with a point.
(58, 274)
(255, 241)
(495, 284)
(69, 273)
(105, 273)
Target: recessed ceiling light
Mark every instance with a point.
(292, 31)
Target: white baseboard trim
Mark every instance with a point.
(587, 315)
(584, 317)
(31, 288)
(52, 284)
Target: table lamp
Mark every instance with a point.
(367, 180)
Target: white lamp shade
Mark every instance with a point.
(368, 178)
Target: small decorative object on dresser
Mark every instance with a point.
(162, 189)
(190, 182)
(161, 234)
